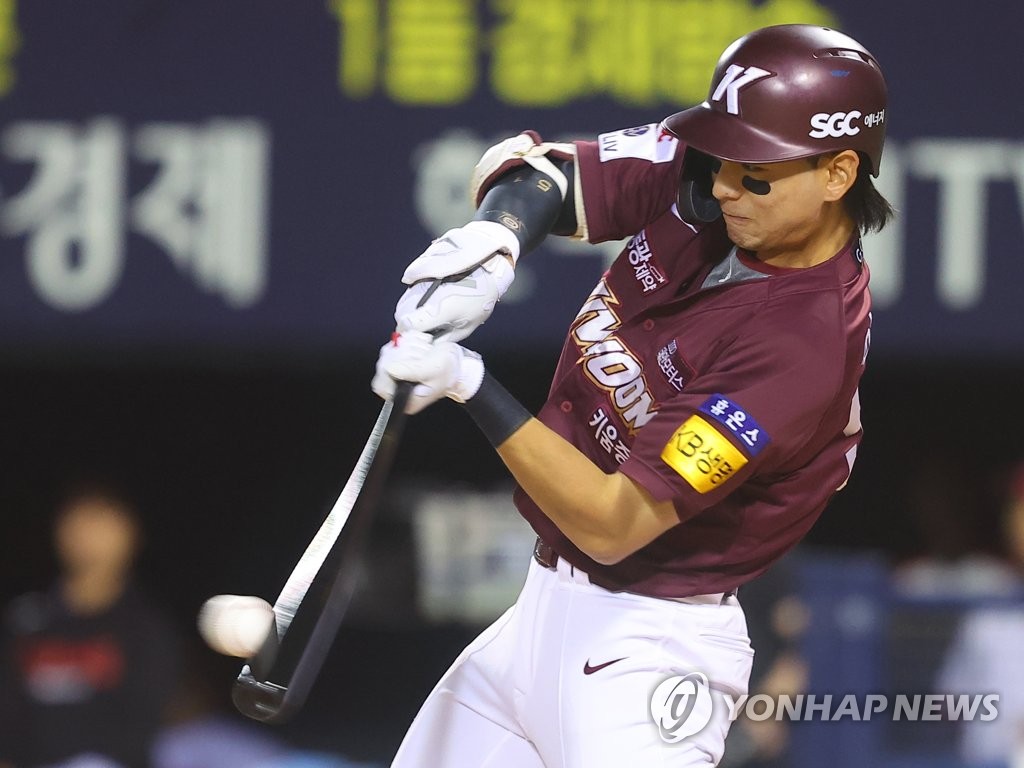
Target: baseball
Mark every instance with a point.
(235, 625)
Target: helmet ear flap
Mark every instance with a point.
(696, 204)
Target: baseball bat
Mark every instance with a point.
(275, 682)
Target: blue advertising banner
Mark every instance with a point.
(192, 175)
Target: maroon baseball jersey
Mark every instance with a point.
(711, 379)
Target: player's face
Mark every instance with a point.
(94, 534)
(777, 210)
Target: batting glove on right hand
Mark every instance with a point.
(484, 253)
(437, 368)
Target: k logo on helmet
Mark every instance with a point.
(736, 77)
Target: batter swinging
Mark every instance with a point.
(703, 411)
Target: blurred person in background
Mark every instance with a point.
(88, 667)
(948, 515)
(204, 731)
(985, 655)
(776, 620)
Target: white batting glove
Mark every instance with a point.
(438, 368)
(485, 252)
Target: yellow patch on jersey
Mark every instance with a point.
(703, 456)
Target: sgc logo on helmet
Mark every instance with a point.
(835, 125)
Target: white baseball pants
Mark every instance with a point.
(531, 691)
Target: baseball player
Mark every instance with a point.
(703, 411)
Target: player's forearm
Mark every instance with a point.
(606, 515)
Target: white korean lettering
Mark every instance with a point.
(72, 209)
(206, 207)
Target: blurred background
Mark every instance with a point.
(205, 210)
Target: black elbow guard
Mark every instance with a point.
(529, 203)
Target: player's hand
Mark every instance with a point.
(438, 369)
(483, 253)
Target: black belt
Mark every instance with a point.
(545, 554)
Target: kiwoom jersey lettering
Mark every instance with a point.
(608, 362)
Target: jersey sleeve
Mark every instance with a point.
(759, 408)
(626, 179)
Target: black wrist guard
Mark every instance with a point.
(498, 414)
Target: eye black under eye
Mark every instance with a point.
(757, 186)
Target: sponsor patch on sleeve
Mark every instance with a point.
(644, 142)
(738, 421)
(702, 455)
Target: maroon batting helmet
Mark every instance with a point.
(787, 92)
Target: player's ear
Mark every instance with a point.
(841, 169)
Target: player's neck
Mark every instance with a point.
(93, 591)
(830, 235)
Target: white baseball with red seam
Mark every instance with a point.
(235, 625)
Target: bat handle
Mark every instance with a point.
(435, 285)
(403, 389)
